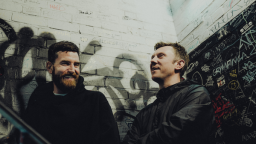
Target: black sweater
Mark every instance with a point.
(81, 116)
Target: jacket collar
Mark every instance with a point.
(165, 93)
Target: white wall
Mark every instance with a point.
(116, 38)
(196, 20)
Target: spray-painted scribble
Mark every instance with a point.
(249, 77)
(233, 73)
(209, 82)
(249, 136)
(192, 66)
(221, 81)
(233, 85)
(205, 68)
(221, 108)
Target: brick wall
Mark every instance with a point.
(115, 37)
(197, 20)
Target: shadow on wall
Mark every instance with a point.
(22, 63)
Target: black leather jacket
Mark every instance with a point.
(181, 114)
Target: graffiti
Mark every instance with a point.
(249, 42)
(248, 122)
(237, 20)
(249, 65)
(231, 58)
(217, 60)
(233, 73)
(199, 51)
(231, 115)
(246, 28)
(249, 77)
(252, 100)
(209, 82)
(233, 85)
(197, 77)
(85, 12)
(249, 136)
(192, 66)
(207, 55)
(8, 30)
(5, 27)
(205, 68)
(193, 46)
(57, 7)
(243, 115)
(220, 132)
(229, 64)
(221, 81)
(1, 71)
(241, 96)
(223, 97)
(221, 108)
(223, 32)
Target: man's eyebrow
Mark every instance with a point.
(157, 54)
(64, 61)
(69, 61)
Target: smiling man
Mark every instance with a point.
(182, 112)
(63, 111)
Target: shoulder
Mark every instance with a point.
(196, 91)
(95, 95)
(42, 90)
(44, 87)
(197, 88)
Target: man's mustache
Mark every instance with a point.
(74, 75)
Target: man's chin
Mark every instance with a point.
(68, 85)
(156, 79)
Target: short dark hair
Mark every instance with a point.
(61, 46)
(180, 53)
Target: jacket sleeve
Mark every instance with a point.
(109, 132)
(192, 121)
(132, 135)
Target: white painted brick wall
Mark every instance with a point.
(34, 20)
(195, 30)
(6, 15)
(56, 15)
(8, 5)
(62, 25)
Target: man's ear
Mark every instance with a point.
(179, 64)
(49, 67)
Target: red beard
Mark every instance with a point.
(63, 84)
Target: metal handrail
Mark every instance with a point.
(20, 124)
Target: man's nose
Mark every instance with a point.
(153, 60)
(71, 68)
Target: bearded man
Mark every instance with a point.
(63, 111)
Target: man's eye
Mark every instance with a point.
(161, 55)
(77, 64)
(65, 64)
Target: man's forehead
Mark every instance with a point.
(164, 49)
(67, 54)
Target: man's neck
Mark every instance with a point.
(169, 82)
